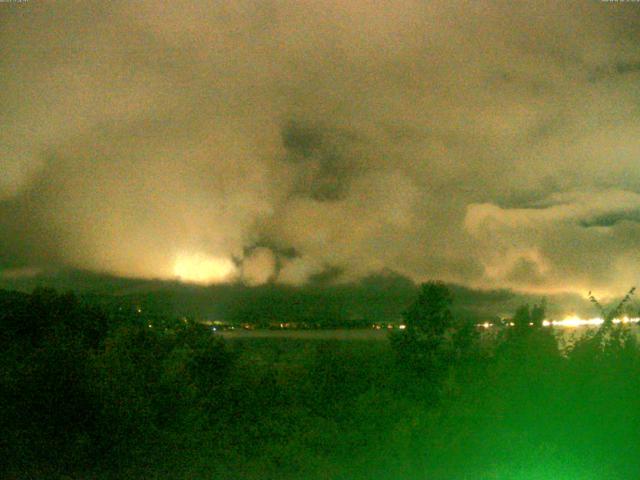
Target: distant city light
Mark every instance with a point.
(573, 321)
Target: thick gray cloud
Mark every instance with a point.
(487, 143)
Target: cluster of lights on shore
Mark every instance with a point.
(572, 322)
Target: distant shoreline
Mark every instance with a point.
(333, 334)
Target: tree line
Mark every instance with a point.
(95, 392)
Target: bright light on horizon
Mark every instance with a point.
(573, 321)
(203, 269)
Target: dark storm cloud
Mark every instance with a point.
(324, 162)
(378, 297)
(619, 68)
(611, 219)
(468, 141)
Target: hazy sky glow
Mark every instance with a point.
(492, 144)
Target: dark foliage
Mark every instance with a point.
(432, 342)
(97, 393)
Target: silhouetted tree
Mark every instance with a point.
(526, 317)
(538, 313)
(609, 316)
(430, 313)
(522, 318)
(425, 344)
(609, 340)
(527, 341)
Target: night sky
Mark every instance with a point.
(490, 144)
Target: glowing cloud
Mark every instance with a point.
(492, 144)
(203, 269)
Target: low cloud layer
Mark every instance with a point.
(491, 144)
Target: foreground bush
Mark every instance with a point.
(87, 394)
